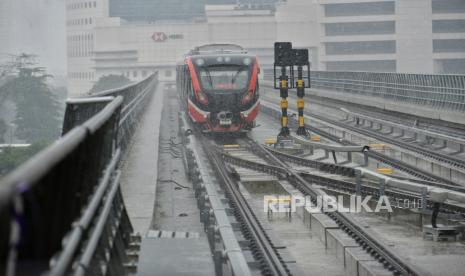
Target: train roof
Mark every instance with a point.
(214, 49)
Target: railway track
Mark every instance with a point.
(263, 249)
(368, 188)
(349, 171)
(437, 126)
(395, 163)
(435, 155)
(438, 156)
(269, 258)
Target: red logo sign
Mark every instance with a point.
(159, 37)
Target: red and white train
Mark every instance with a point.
(218, 86)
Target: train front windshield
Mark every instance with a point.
(229, 77)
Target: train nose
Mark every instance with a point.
(225, 117)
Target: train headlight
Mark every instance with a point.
(199, 62)
(247, 97)
(202, 97)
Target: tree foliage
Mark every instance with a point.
(38, 115)
(11, 158)
(109, 82)
(3, 130)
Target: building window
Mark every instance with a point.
(361, 47)
(95, 4)
(360, 28)
(144, 73)
(364, 65)
(448, 6)
(354, 9)
(449, 66)
(448, 26)
(134, 74)
(449, 45)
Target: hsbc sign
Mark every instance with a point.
(161, 36)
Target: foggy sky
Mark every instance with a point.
(35, 26)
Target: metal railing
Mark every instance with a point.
(62, 211)
(433, 91)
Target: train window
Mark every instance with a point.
(224, 77)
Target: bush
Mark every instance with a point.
(109, 82)
(11, 158)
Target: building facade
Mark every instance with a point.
(411, 36)
(105, 37)
(414, 36)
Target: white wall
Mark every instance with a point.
(414, 36)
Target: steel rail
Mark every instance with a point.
(421, 150)
(458, 140)
(398, 164)
(456, 162)
(272, 261)
(326, 167)
(366, 238)
(215, 216)
(350, 171)
(424, 124)
(369, 188)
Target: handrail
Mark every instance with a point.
(428, 90)
(43, 198)
(27, 175)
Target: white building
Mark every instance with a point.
(100, 45)
(414, 36)
(81, 19)
(411, 36)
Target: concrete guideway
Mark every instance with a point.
(400, 231)
(443, 170)
(175, 243)
(139, 171)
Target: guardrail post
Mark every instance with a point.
(349, 156)
(358, 182)
(382, 186)
(424, 204)
(365, 159)
(218, 257)
(402, 133)
(391, 130)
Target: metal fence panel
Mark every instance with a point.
(42, 201)
(445, 92)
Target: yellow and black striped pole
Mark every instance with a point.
(283, 90)
(300, 102)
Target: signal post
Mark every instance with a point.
(287, 59)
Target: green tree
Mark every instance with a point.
(11, 158)
(3, 130)
(109, 82)
(38, 115)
